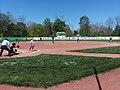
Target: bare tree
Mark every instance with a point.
(117, 20)
(116, 32)
(94, 29)
(110, 25)
(99, 29)
(21, 19)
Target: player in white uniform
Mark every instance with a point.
(32, 44)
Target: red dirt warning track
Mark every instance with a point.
(109, 81)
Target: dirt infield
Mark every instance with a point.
(60, 47)
(109, 81)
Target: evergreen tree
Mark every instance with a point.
(85, 29)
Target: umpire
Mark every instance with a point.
(5, 46)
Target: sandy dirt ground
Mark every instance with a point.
(109, 81)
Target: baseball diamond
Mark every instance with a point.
(62, 48)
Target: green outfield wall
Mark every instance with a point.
(14, 38)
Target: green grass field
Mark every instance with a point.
(108, 50)
(48, 70)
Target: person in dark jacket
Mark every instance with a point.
(13, 49)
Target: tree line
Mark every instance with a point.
(12, 27)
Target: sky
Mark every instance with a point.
(69, 10)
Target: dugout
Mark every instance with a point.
(61, 34)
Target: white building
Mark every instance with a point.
(61, 34)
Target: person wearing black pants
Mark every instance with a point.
(5, 46)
